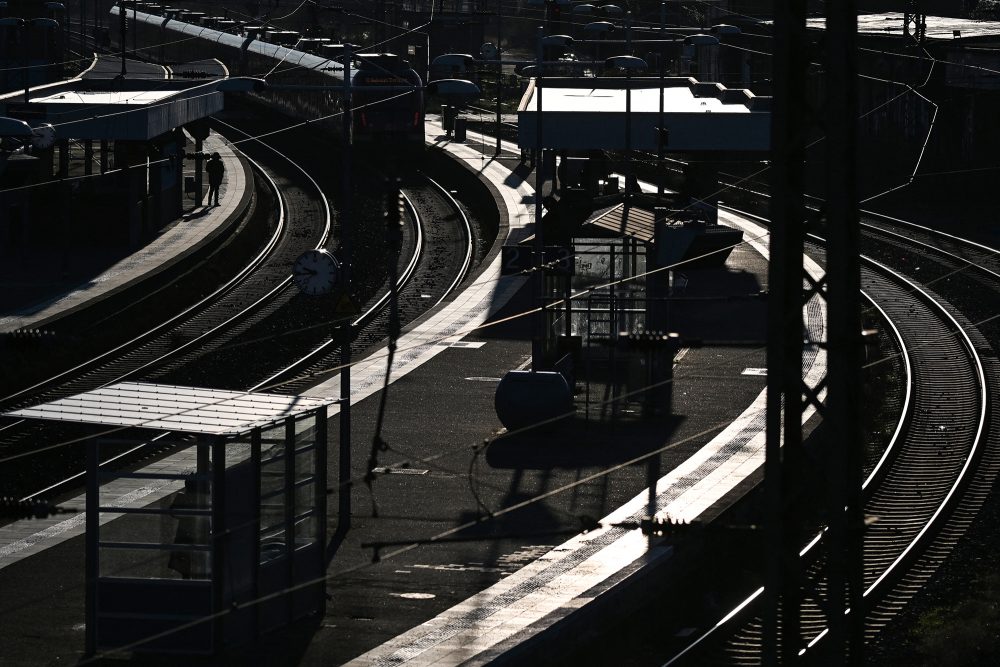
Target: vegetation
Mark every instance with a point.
(987, 10)
(966, 633)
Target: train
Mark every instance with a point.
(387, 95)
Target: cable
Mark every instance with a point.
(489, 324)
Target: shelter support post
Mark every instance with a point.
(92, 565)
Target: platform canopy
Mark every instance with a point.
(129, 109)
(173, 408)
(890, 24)
(590, 114)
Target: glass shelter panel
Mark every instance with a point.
(305, 514)
(157, 526)
(272, 493)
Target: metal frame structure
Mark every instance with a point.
(787, 465)
(220, 542)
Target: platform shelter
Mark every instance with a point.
(231, 543)
(605, 318)
(131, 129)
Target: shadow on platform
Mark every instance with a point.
(580, 443)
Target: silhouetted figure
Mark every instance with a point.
(215, 170)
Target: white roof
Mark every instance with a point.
(644, 100)
(590, 113)
(938, 27)
(136, 97)
(173, 408)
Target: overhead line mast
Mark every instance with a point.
(795, 117)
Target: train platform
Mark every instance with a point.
(459, 553)
(40, 289)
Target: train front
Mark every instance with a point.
(387, 100)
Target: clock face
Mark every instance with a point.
(43, 136)
(316, 272)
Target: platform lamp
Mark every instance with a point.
(456, 92)
(629, 64)
(598, 29)
(721, 31)
(694, 41)
(563, 42)
(499, 73)
(22, 26)
(54, 10)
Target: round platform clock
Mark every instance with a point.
(43, 136)
(316, 272)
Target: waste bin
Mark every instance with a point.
(460, 128)
(448, 115)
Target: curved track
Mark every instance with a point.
(440, 260)
(256, 292)
(918, 490)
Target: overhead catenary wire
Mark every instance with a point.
(490, 324)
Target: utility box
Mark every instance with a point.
(461, 127)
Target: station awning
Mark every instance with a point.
(173, 408)
(593, 113)
(129, 109)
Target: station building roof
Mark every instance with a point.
(590, 114)
(173, 408)
(121, 109)
(937, 27)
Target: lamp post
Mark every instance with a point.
(627, 63)
(347, 252)
(123, 25)
(537, 278)
(660, 129)
(499, 73)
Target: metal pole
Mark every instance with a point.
(199, 196)
(122, 22)
(499, 72)
(845, 559)
(537, 280)
(219, 536)
(660, 130)
(92, 545)
(24, 61)
(628, 120)
(344, 495)
(783, 467)
(135, 28)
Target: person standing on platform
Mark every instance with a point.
(215, 170)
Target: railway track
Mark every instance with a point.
(442, 254)
(925, 489)
(262, 288)
(434, 258)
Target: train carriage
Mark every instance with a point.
(304, 85)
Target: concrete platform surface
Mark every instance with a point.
(33, 296)
(459, 553)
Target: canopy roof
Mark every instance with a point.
(173, 408)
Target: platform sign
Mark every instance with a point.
(514, 259)
(558, 260)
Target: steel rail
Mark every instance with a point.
(946, 504)
(467, 262)
(280, 228)
(365, 317)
